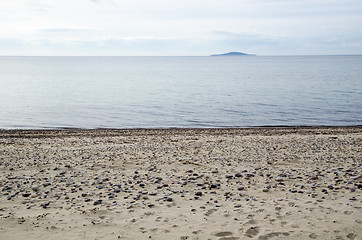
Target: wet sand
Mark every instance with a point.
(260, 183)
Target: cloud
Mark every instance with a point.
(55, 30)
(108, 1)
(186, 27)
(37, 6)
(251, 38)
(141, 46)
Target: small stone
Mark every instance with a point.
(21, 220)
(97, 202)
(45, 205)
(249, 175)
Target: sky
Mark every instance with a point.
(179, 27)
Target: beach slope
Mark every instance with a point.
(258, 183)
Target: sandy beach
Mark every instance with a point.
(225, 184)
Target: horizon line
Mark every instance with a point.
(250, 55)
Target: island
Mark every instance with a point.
(232, 54)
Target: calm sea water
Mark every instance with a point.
(133, 92)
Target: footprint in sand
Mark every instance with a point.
(250, 222)
(252, 232)
(313, 236)
(209, 212)
(272, 235)
(228, 238)
(351, 236)
(225, 236)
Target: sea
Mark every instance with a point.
(180, 92)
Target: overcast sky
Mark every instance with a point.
(180, 27)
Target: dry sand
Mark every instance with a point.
(263, 183)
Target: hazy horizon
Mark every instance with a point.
(300, 55)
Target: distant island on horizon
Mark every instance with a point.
(234, 54)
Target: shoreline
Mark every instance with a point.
(194, 183)
(174, 130)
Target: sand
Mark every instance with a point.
(261, 183)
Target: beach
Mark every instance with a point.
(216, 183)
